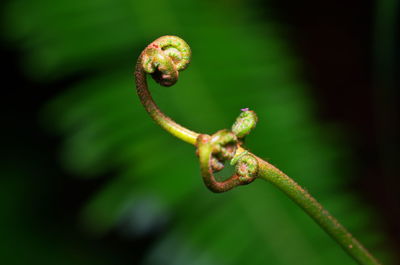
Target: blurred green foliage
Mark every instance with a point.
(239, 60)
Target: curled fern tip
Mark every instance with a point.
(164, 58)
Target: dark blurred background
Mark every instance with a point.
(84, 176)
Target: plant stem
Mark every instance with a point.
(158, 116)
(315, 210)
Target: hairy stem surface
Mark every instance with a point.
(315, 210)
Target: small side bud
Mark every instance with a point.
(224, 144)
(247, 168)
(246, 121)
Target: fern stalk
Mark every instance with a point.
(163, 59)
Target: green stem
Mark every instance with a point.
(315, 210)
(158, 116)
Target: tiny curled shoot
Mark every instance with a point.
(236, 158)
(247, 168)
(164, 58)
(246, 121)
(215, 150)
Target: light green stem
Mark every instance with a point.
(315, 210)
(158, 116)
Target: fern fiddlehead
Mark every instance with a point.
(163, 59)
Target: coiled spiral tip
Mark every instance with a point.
(164, 58)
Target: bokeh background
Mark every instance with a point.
(88, 178)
